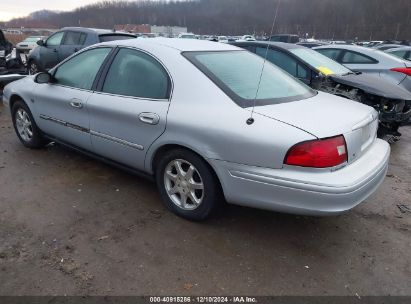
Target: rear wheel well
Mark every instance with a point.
(166, 148)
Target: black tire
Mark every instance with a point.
(36, 140)
(33, 67)
(212, 197)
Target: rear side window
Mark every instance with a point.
(356, 58)
(81, 70)
(401, 54)
(74, 38)
(330, 53)
(134, 73)
(238, 73)
(106, 38)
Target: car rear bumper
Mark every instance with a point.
(305, 191)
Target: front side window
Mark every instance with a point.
(134, 73)
(356, 58)
(55, 40)
(81, 70)
(238, 73)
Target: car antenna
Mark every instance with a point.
(250, 120)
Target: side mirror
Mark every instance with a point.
(40, 42)
(43, 78)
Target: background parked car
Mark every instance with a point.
(403, 52)
(322, 73)
(247, 38)
(5, 49)
(28, 44)
(383, 47)
(66, 42)
(287, 38)
(371, 61)
(312, 44)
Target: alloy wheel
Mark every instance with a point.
(184, 184)
(24, 125)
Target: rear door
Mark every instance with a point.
(129, 111)
(72, 42)
(62, 105)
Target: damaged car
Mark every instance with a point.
(11, 65)
(209, 122)
(321, 73)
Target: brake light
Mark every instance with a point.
(406, 71)
(320, 153)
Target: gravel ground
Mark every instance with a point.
(70, 225)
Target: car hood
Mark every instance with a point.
(373, 85)
(323, 115)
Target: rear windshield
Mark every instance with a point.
(106, 38)
(238, 73)
(321, 62)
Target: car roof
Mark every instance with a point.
(281, 45)
(93, 30)
(183, 45)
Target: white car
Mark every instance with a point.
(28, 44)
(247, 38)
(207, 121)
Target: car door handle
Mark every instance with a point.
(76, 103)
(149, 118)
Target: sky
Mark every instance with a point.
(10, 9)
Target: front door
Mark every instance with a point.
(49, 52)
(62, 105)
(129, 112)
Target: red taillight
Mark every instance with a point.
(406, 71)
(320, 153)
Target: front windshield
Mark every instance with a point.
(238, 73)
(321, 62)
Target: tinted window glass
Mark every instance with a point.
(322, 63)
(352, 57)
(284, 61)
(55, 40)
(81, 70)
(401, 54)
(330, 53)
(72, 38)
(238, 73)
(136, 74)
(105, 38)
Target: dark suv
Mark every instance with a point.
(66, 42)
(5, 49)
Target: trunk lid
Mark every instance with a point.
(326, 115)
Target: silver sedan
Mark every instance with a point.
(209, 122)
(371, 61)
